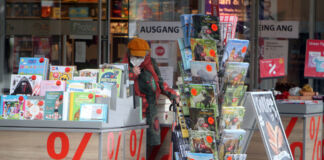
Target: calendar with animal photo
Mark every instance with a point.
(235, 51)
(231, 142)
(204, 72)
(235, 73)
(202, 119)
(234, 95)
(203, 96)
(232, 117)
(202, 141)
(206, 27)
(204, 50)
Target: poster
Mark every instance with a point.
(80, 52)
(167, 74)
(160, 52)
(273, 48)
(270, 126)
(272, 68)
(314, 66)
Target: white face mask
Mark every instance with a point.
(136, 61)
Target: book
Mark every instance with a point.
(51, 85)
(232, 117)
(94, 112)
(13, 106)
(204, 50)
(236, 157)
(186, 22)
(76, 99)
(89, 73)
(78, 85)
(204, 72)
(66, 106)
(90, 79)
(33, 66)
(53, 105)
(200, 156)
(202, 119)
(206, 27)
(235, 73)
(202, 141)
(62, 73)
(111, 76)
(235, 51)
(234, 95)
(231, 142)
(186, 54)
(25, 84)
(202, 96)
(34, 109)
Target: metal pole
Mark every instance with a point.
(64, 50)
(100, 146)
(99, 30)
(254, 59)
(2, 39)
(311, 25)
(108, 29)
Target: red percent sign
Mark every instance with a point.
(65, 145)
(294, 145)
(313, 135)
(111, 144)
(132, 148)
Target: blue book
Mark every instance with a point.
(33, 66)
(186, 54)
(12, 107)
(94, 112)
(200, 156)
(235, 51)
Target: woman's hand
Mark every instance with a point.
(137, 70)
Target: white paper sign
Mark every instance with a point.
(160, 52)
(167, 74)
(276, 49)
(279, 29)
(159, 30)
(80, 52)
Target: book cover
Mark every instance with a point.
(62, 73)
(231, 142)
(186, 54)
(200, 156)
(89, 73)
(234, 95)
(232, 117)
(104, 90)
(236, 156)
(204, 72)
(235, 51)
(76, 99)
(90, 79)
(53, 105)
(206, 27)
(202, 119)
(186, 22)
(202, 141)
(204, 50)
(13, 106)
(78, 85)
(111, 76)
(51, 85)
(202, 96)
(235, 73)
(25, 84)
(94, 112)
(66, 105)
(35, 107)
(33, 66)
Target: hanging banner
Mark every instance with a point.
(279, 29)
(271, 68)
(159, 30)
(314, 61)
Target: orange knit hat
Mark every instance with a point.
(138, 47)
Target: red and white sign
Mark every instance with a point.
(314, 50)
(272, 68)
(160, 52)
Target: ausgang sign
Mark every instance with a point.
(159, 30)
(279, 29)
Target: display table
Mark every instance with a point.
(26, 139)
(303, 123)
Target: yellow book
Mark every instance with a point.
(76, 99)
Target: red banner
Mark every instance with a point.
(272, 68)
(314, 59)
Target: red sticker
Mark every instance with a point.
(21, 98)
(99, 111)
(193, 92)
(61, 97)
(33, 77)
(244, 49)
(214, 27)
(40, 103)
(41, 60)
(229, 158)
(211, 120)
(58, 83)
(212, 53)
(209, 139)
(90, 96)
(209, 68)
(67, 69)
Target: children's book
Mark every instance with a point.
(236, 157)
(94, 112)
(25, 84)
(66, 106)
(186, 22)
(204, 72)
(231, 142)
(13, 106)
(200, 156)
(203, 96)
(51, 85)
(202, 141)
(62, 73)
(186, 54)
(34, 109)
(90, 79)
(53, 105)
(234, 95)
(235, 73)
(232, 117)
(202, 119)
(122, 66)
(206, 27)
(76, 99)
(111, 76)
(89, 73)
(235, 51)
(33, 66)
(204, 50)
(78, 85)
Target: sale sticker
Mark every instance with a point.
(270, 68)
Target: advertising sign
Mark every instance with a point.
(314, 61)
(279, 29)
(159, 30)
(272, 68)
(270, 126)
(160, 52)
